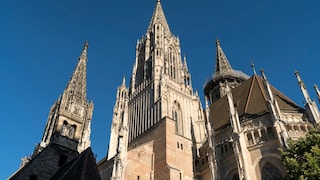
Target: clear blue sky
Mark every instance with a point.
(42, 40)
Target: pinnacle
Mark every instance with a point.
(124, 81)
(222, 63)
(84, 51)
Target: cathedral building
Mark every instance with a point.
(158, 121)
(160, 131)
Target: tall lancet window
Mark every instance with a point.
(177, 117)
(172, 64)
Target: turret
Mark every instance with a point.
(223, 72)
(275, 112)
(311, 106)
(118, 119)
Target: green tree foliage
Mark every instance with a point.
(302, 158)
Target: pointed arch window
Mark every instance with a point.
(172, 64)
(270, 172)
(177, 117)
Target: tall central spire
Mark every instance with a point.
(158, 17)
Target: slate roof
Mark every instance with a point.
(251, 100)
(81, 167)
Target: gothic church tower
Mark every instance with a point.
(158, 120)
(67, 134)
(70, 116)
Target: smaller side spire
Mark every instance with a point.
(317, 91)
(311, 106)
(272, 102)
(222, 63)
(123, 81)
(185, 62)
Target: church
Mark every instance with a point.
(160, 128)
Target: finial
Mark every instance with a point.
(85, 50)
(298, 76)
(217, 42)
(253, 68)
(124, 80)
(86, 45)
(262, 74)
(158, 1)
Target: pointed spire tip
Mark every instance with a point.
(217, 41)
(86, 45)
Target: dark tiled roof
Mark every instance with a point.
(81, 167)
(250, 98)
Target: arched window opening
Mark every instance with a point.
(226, 147)
(270, 172)
(62, 160)
(264, 136)
(177, 117)
(256, 136)
(250, 139)
(270, 132)
(172, 64)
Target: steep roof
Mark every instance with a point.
(81, 167)
(251, 100)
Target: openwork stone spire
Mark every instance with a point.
(158, 17)
(76, 90)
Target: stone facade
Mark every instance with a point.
(160, 130)
(158, 121)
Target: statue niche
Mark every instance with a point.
(68, 130)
